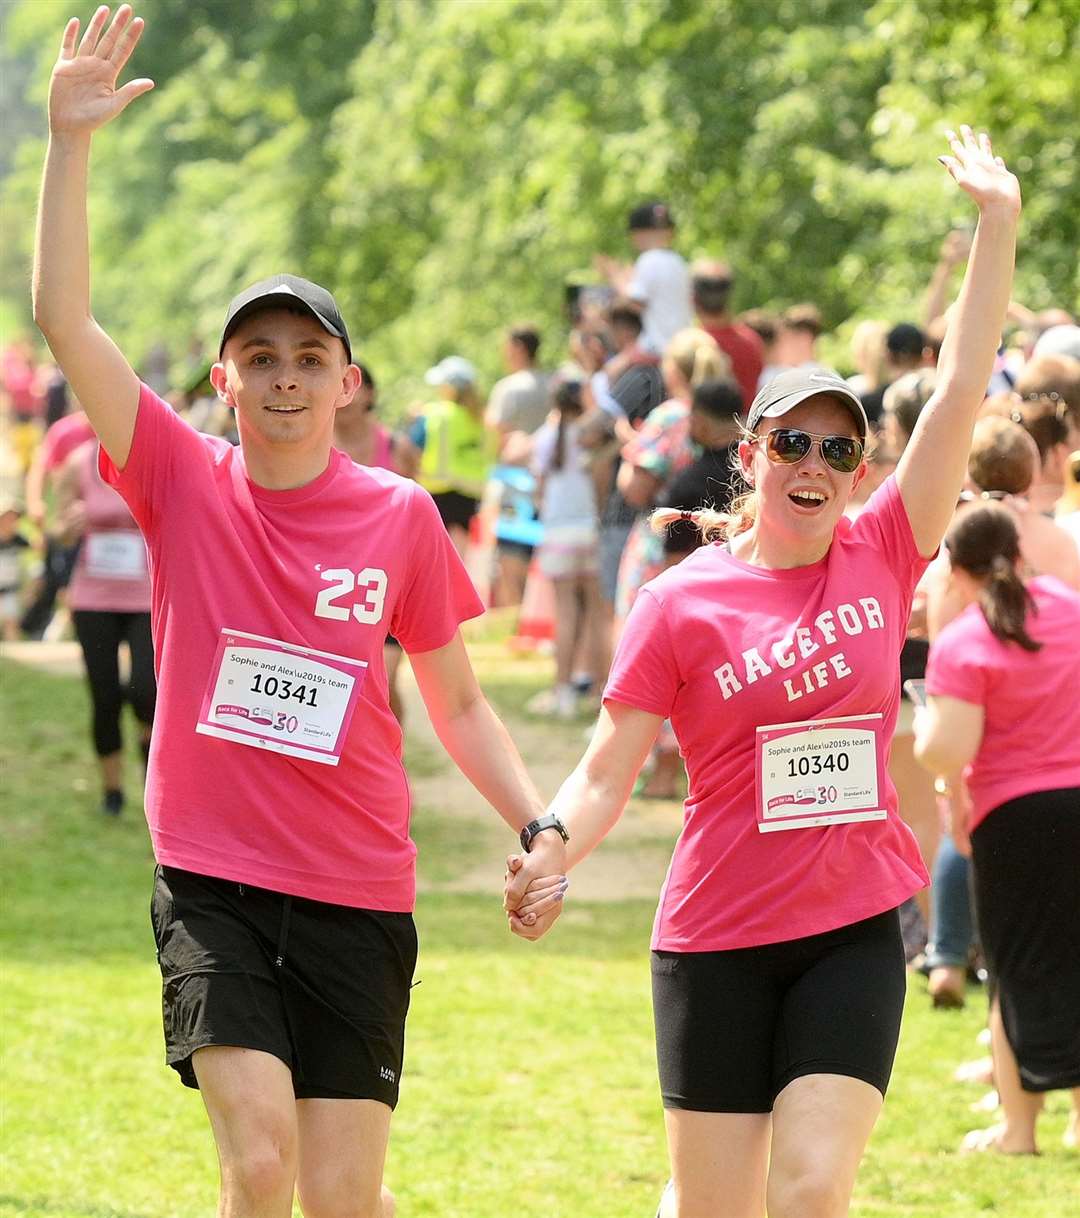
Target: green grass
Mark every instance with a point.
(530, 1086)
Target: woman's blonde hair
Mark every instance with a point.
(868, 351)
(740, 516)
(697, 356)
(714, 525)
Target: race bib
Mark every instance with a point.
(116, 555)
(280, 696)
(820, 772)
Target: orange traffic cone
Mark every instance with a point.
(536, 622)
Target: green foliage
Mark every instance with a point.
(446, 165)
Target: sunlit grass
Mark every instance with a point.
(530, 1086)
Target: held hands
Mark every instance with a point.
(82, 93)
(535, 886)
(981, 174)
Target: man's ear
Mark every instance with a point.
(350, 383)
(221, 385)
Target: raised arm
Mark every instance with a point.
(931, 471)
(954, 249)
(82, 97)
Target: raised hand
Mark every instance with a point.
(956, 246)
(82, 93)
(981, 174)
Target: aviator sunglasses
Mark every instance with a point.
(788, 446)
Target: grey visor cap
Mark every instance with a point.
(288, 290)
(786, 391)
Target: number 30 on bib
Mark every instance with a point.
(819, 772)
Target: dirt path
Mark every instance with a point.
(630, 864)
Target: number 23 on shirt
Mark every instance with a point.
(360, 595)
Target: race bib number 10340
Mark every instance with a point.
(820, 772)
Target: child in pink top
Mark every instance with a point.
(778, 968)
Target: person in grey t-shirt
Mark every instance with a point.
(519, 402)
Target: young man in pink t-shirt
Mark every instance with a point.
(778, 968)
(276, 798)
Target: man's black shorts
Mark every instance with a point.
(733, 1028)
(323, 987)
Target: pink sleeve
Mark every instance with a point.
(438, 593)
(161, 440)
(884, 524)
(956, 667)
(645, 673)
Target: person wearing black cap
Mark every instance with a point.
(276, 798)
(904, 347)
(659, 281)
(778, 967)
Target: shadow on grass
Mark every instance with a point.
(77, 885)
(42, 1207)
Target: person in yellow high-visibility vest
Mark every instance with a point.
(458, 450)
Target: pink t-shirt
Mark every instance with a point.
(1031, 731)
(111, 573)
(721, 647)
(64, 437)
(225, 553)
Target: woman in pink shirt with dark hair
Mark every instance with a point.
(778, 968)
(1003, 709)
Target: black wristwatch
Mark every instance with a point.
(551, 821)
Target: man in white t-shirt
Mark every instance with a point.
(659, 280)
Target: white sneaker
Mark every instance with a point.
(669, 1189)
(542, 703)
(566, 702)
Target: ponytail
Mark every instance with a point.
(714, 525)
(568, 402)
(558, 457)
(1005, 603)
(985, 543)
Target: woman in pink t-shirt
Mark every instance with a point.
(109, 597)
(1002, 683)
(778, 968)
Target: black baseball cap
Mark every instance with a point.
(287, 290)
(651, 215)
(786, 391)
(905, 339)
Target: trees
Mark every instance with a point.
(446, 165)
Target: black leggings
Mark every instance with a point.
(733, 1028)
(100, 635)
